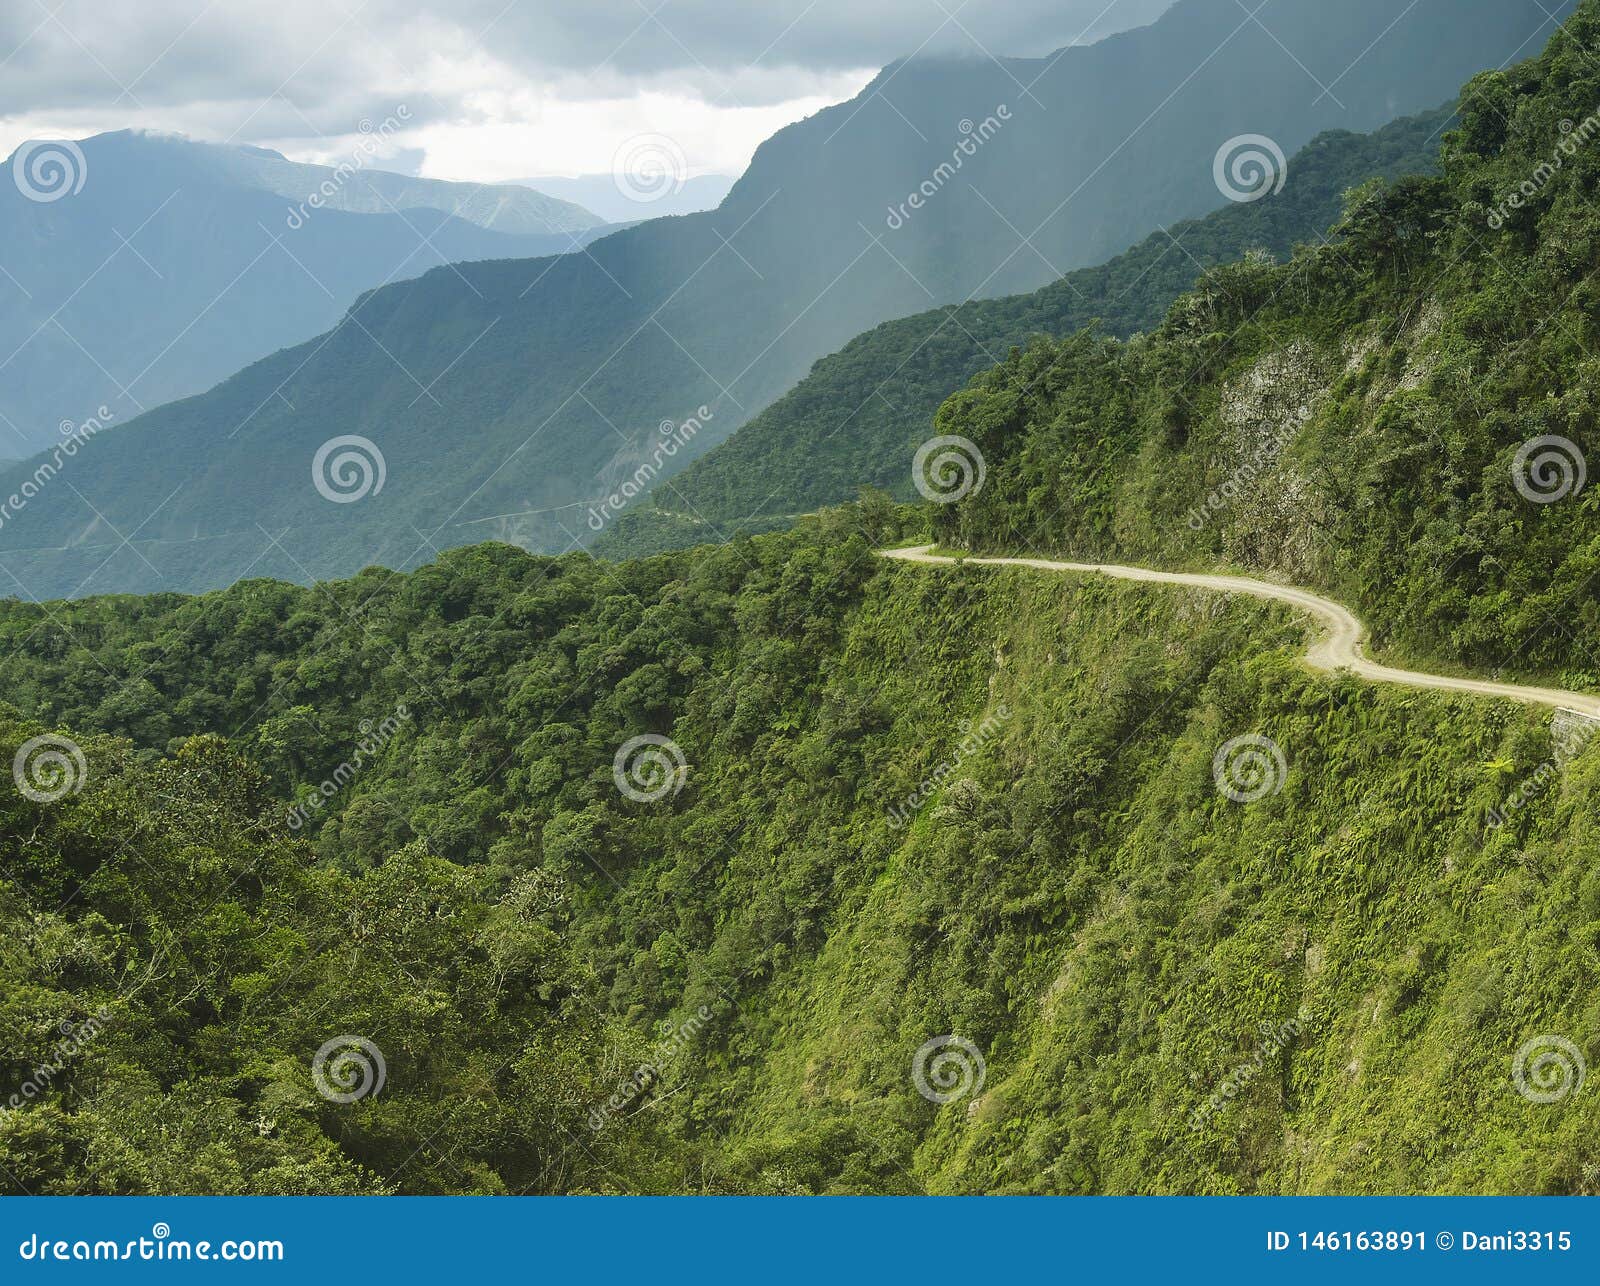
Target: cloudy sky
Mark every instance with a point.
(494, 90)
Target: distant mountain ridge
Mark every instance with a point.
(362, 188)
(767, 817)
(219, 256)
(858, 416)
(506, 398)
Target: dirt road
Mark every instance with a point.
(1337, 645)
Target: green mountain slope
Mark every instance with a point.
(856, 420)
(507, 398)
(1401, 416)
(1113, 937)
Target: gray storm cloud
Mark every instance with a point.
(292, 66)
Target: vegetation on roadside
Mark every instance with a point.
(1400, 416)
(734, 980)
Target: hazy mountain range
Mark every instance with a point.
(507, 399)
(857, 418)
(786, 825)
(178, 262)
(778, 866)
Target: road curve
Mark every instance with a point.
(1337, 646)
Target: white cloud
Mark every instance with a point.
(567, 136)
(495, 91)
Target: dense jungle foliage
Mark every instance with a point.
(1361, 417)
(519, 938)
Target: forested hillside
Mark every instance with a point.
(857, 419)
(722, 983)
(1401, 416)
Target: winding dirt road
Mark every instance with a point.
(1338, 644)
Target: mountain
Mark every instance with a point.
(857, 419)
(508, 399)
(618, 200)
(503, 207)
(222, 254)
(1401, 416)
(727, 988)
(887, 821)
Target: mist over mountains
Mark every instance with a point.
(505, 399)
(1173, 773)
(177, 262)
(613, 201)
